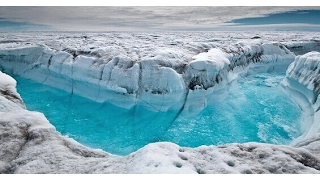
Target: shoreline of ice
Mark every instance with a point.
(30, 144)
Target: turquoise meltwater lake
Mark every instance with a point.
(255, 110)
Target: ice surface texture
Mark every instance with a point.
(136, 70)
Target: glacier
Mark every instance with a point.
(182, 72)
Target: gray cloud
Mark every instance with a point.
(101, 18)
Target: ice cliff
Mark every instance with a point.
(161, 80)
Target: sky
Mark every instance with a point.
(140, 16)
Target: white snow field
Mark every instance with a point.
(178, 71)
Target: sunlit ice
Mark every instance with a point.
(168, 102)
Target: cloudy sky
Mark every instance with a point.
(158, 18)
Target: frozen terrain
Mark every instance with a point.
(181, 72)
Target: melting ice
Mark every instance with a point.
(254, 110)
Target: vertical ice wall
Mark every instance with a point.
(159, 82)
(303, 83)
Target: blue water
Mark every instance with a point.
(256, 109)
